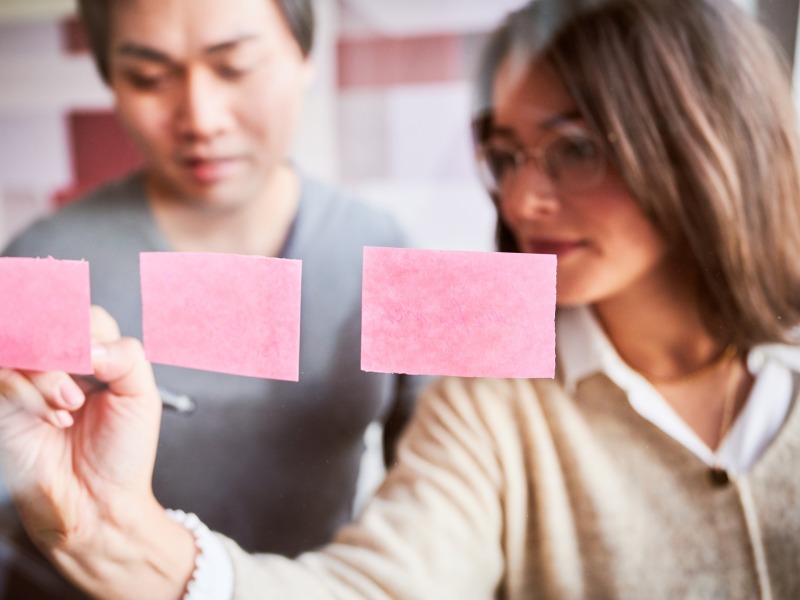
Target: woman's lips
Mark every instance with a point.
(558, 247)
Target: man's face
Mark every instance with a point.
(210, 91)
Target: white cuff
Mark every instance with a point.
(212, 578)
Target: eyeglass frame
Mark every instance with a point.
(483, 130)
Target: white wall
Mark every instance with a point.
(426, 176)
(406, 148)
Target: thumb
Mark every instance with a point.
(122, 365)
(104, 327)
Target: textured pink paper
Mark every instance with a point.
(222, 312)
(44, 315)
(469, 314)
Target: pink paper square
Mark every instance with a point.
(44, 315)
(469, 314)
(222, 312)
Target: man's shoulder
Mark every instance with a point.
(343, 213)
(123, 194)
(97, 213)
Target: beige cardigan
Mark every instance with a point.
(511, 489)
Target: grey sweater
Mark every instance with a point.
(273, 464)
(511, 489)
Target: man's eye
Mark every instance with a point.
(147, 82)
(232, 72)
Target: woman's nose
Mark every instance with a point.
(532, 194)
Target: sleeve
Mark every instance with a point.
(433, 530)
(407, 387)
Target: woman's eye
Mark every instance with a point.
(574, 160)
(570, 150)
(500, 162)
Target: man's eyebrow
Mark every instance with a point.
(230, 44)
(139, 51)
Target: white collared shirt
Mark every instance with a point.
(581, 338)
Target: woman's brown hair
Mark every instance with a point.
(694, 102)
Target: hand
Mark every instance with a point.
(79, 464)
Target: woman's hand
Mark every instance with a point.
(79, 465)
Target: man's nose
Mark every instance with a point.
(203, 109)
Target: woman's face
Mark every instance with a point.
(604, 244)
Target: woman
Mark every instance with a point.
(651, 145)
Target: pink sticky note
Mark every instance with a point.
(44, 315)
(222, 312)
(470, 314)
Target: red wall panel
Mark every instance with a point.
(100, 151)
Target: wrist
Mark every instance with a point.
(139, 553)
(212, 578)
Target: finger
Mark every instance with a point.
(58, 389)
(38, 394)
(104, 327)
(122, 365)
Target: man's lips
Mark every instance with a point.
(209, 169)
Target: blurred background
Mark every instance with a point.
(387, 116)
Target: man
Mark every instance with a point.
(210, 90)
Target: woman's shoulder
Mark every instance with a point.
(786, 355)
(493, 404)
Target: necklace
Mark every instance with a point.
(729, 401)
(726, 358)
(719, 474)
(727, 355)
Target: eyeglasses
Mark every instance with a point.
(571, 157)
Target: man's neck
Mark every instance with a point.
(257, 226)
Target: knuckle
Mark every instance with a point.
(103, 324)
(131, 345)
(9, 383)
(7, 375)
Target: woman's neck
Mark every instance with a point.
(657, 326)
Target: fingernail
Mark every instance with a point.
(62, 419)
(99, 350)
(71, 394)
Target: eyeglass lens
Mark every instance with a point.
(572, 160)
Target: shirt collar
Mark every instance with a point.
(585, 350)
